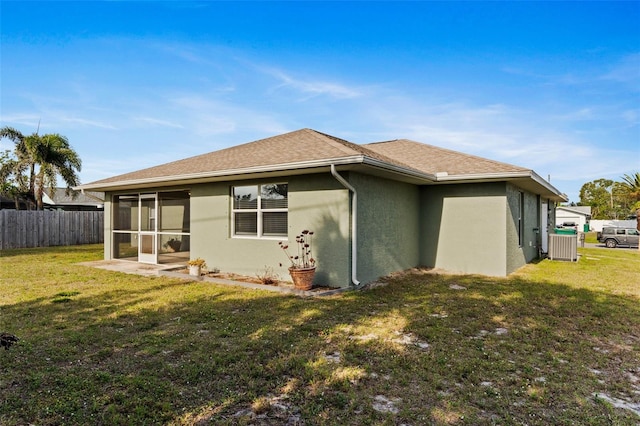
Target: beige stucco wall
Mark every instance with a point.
(518, 256)
(388, 226)
(463, 228)
(316, 202)
(466, 228)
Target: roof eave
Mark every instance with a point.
(543, 187)
(220, 175)
(404, 173)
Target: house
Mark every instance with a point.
(11, 203)
(375, 208)
(574, 216)
(61, 199)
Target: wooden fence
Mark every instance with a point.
(31, 228)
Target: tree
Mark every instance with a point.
(597, 195)
(606, 197)
(11, 184)
(630, 186)
(610, 199)
(39, 160)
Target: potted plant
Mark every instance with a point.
(303, 265)
(195, 266)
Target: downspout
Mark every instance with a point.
(354, 225)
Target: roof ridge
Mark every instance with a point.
(363, 150)
(473, 156)
(342, 144)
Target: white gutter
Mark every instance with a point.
(205, 176)
(354, 225)
(445, 177)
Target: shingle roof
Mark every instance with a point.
(304, 149)
(294, 147)
(60, 197)
(431, 159)
(308, 145)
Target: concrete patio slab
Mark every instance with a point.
(129, 267)
(171, 270)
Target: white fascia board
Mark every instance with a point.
(541, 181)
(491, 177)
(441, 177)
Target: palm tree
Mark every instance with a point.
(631, 183)
(43, 158)
(11, 184)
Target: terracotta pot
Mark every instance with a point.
(302, 277)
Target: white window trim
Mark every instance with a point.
(258, 211)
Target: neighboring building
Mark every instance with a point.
(573, 216)
(375, 208)
(10, 204)
(598, 224)
(61, 199)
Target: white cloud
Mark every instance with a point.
(224, 100)
(626, 71)
(631, 116)
(30, 121)
(513, 135)
(311, 87)
(82, 121)
(158, 122)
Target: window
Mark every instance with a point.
(521, 219)
(260, 210)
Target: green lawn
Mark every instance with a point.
(552, 344)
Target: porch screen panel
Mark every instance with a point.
(174, 214)
(125, 245)
(125, 213)
(147, 214)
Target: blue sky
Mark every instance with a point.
(551, 86)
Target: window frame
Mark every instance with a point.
(259, 211)
(521, 202)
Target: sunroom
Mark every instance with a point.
(151, 227)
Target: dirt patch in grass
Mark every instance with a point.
(233, 277)
(244, 278)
